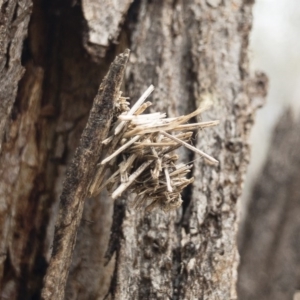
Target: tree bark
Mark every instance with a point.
(190, 50)
(79, 177)
(269, 238)
(14, 18)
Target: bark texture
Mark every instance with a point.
(269, 238)
(14, 16)
(190, 50)
(51, 109)
(79, 177)
(103, 19)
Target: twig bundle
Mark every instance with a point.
(140, 154)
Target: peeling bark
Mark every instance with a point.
(104, 19)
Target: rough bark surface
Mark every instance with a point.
(79, 176)
(269, 238)
(104, 19)
(189, 50)
(14, 16)
(49, 114)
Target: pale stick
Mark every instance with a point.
(125, 165)
(120, 150)
(135, 107)
(128, 163)
(169, 187)
(196, 125)
(143, 117)
(109, 180)
(141, 144)
(131, 179)
(174, 125)
(143, 107)
(203, 154)
(108, 140)
(183, 169)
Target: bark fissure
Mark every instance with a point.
(61, 81)
(211, 218)
(190, 50)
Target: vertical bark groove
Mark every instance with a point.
(48, 117)
(190, 50)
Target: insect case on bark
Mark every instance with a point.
(139, 154)
(136, 149)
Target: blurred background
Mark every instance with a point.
(275, 50)
(269, 239)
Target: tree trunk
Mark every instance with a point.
(190, 50)
(269, 237)
(14, 18)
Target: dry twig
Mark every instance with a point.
(78, 178)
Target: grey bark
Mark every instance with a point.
(269, 237)
(104, 19)
(189, 50)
